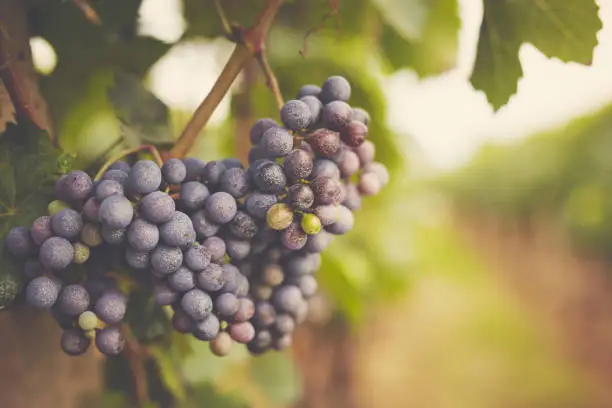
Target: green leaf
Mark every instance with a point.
(168, 372)
(565, 29)
(277, 377)
(147, 320)
(206, 395)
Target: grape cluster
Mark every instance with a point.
(231, 250)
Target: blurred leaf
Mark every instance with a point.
(204, 366)
(206, 395)
(144, 117)
(566, 29)
(168, 372)
(433, 49)
(276, 375)
(147, 320)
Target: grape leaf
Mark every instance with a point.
(29, 166)
(565, 29)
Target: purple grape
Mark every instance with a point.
(243, 226)
(203, 225)
(260, 127)
(298, 165)
(56, 253)
(178, 231)
(145, 177)
(216, 247)
(19, 243)
(295, 115)
(73, 300)
(325, 142)
(208, 328)
(74, 343)
(211, 279)
(336, 115)
(276, 142)
(235, 182)
(41, 230)
(110, 340)
(335, 88)
(193, 194)
(142, 235)
(111, 306)
(197, 304)
(306, 90)
(174, 171)
(221, 207)
(213, 172)
(42, 292)
(107, 188)
(226, 304)
(164, 294)
(182, 280)
(116, 212)
(194, 167)
(166, 260)
(67, 223)
(197, 258)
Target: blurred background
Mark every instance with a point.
(480, 278)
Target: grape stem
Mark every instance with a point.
(271, 80)
(250, 42)
(150, 148)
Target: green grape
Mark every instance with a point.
(279, 216)
(88, 321)
(311, 224)
(56, 206)
(91, 235)
(81, 253)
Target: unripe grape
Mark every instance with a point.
(279, 216)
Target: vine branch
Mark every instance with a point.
(271, 80)
(250, 43)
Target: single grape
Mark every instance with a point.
(300, 197)
(192, 195)
(258, 204)
(242, 286)
(366, 152)
(344, 223)
(265, 314)
(328, 214)
(137, 259)
(41, 229)
(269, 177)
(142, 235)
(288, 299)
(361, 115)
(277, 142)
(272, 275)
(294, 238)
(77, 186)
(243, 226)
(298, 165)
(369, 184)
(88, 320)
(178, 231)
(317, 243)
(307, 284)
(216, 247)
(354, 134)
(119, 176)
(107, 188)
(164, 294)
(211, 279)
(326, 191)
(73, 300)
(113, 236)
(182, 280)
(197, 258)
(349, 163)
(242, 332)
(203, 225)
(42, 292)
(197, 304)
(174, 171)
(352, 199)
(208, 328)
(81, 253)
(157, 207)
(335, 88)
(284, 324)
(221, 207)
(311, 224)
(260, 127)
(120, 165)
(166, 260)
(212, 173)
(314, 107)
(336, 115)
(256, 152)
(235, 182)
(281, 343)
(19, 243)
(145, 177)
(74, 343)
(230, 276)
(260, 343)
(91, 235)
(306, 90)
(302, 264)
(380, 170)
(110, 340)
(325, 168)
(246, 310)
(325, 142)
(237, 249)
(91, 209)
(221, 345)
(279, 216)
(116, 212)
(67, 223)
(226, 304)
(195, 168)
(32, 268)
(295, 115)
(181, 322)
(56, 253)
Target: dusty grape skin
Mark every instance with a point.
(344, 223)
(192, 195)
(300, 196)
(207, 329)
(74, 343)
(203, 225)
(309, 89)
(354, 133)
(182, 280)
(237, 249)
(113, 236)
(67, 223)
(174, 171)
(235, 182)
(142, 235)
(107, 188)
(258, 204)
(326, 191)
(243, 226)
(349, 164)
(221, 207)
(336, 115)
(369, 184)
(136, 259)
(276, 142)
(216, 247)
(226, 304)
(230, 276)
(145, 177)
(314, 106)
(42, 292)
(293, 238)
(91, 209)
(40, 230)
(242, 332)
(197, 304)
(178, 231)
(116, 212)
(119, 176)
(325, 142)
(298, 165)
(335, 88)
(73, 300)
(295, 115)
(270, 178)
(77, 186)
(325, 168)
(56, 253)
(111, 307)
(194, 167)
(211, 279)
(157, 207)
(166, 260)
(197, 258)
(212, 173)
(260, 127)
(110, 340)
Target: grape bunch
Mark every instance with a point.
(232, 250)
